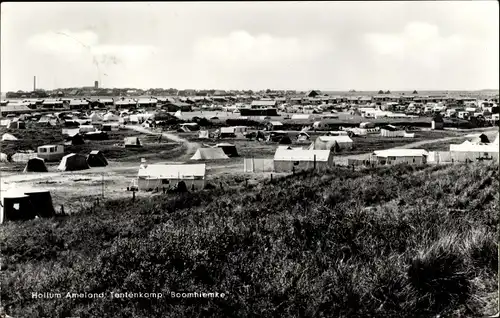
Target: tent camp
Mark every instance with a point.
(203, 134)
(209, 154)
(286, 160)
(229, 150)
(161, 175)
(17, 125)
(328, 142)
(96, 159)
(132, 142)
(75, 140)
(73, 162)
(35, 165)
(8, 137)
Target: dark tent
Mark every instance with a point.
(36, 165)
(481, 139)
(75, 140)
(132, 142)
(437, 118)
(260, 136)
(17, 125)
(17, 207)
(42, 200)
(96, 159)
(229, 150)
(285, 140)
(97, 135)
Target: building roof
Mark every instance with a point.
(340, 138)
(283, 154)
(263, 103)
(172, 171)
(15, 108)
(401, 153)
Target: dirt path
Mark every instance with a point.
(191, 146)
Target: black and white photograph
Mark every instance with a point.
(249, 159)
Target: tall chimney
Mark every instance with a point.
(34, 83)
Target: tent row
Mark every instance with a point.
(71, 162)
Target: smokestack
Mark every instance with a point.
(34, 83)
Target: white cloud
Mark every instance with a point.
(75, 46)
(419, 43)
(241, 49)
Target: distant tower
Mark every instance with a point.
(34, 83)
(96, 84)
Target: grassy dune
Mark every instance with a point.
(387, 242)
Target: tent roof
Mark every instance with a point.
(172, 171)
(209, 154)
(401, 153)
(284, 154)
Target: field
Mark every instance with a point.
(386, 242)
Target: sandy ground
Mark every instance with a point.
(81, 188)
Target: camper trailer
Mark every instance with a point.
(50, 152)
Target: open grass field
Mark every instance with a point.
(402, 241)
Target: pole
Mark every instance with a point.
(314, 162)
(102, 190)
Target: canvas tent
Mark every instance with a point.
(95, 118)
(73, 162)
(161, 175)
(209, 154)
(4, 157)
(227, 132)
(23, 156)
(16, 206)
(131, 142)
(35, 165)
(8, 137)
(111, 117)
(285, 140)
(17, 125)
(328, 142)
(229, 150)
(396, 156)
(481, 139)
(203, 134)
(75, 140)
(96, 159)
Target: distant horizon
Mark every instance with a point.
(337, 45)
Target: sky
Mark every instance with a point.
(330, 46)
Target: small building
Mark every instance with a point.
(391, 131)
(160, 175)
(274, 125)
(397, 156)
(50, 152)
(287, 160)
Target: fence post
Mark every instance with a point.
(133, 195)
(314, 162)
(62, 209)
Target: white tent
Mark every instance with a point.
(209, 154)
(178, 114)
(203, 134)
(8, 137)
(111, 117)
(327, 142)
(95, 117)
(160, 175)
(3, 157)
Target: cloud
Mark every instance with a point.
(74, 46)
(419, 42)
(244, 50)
